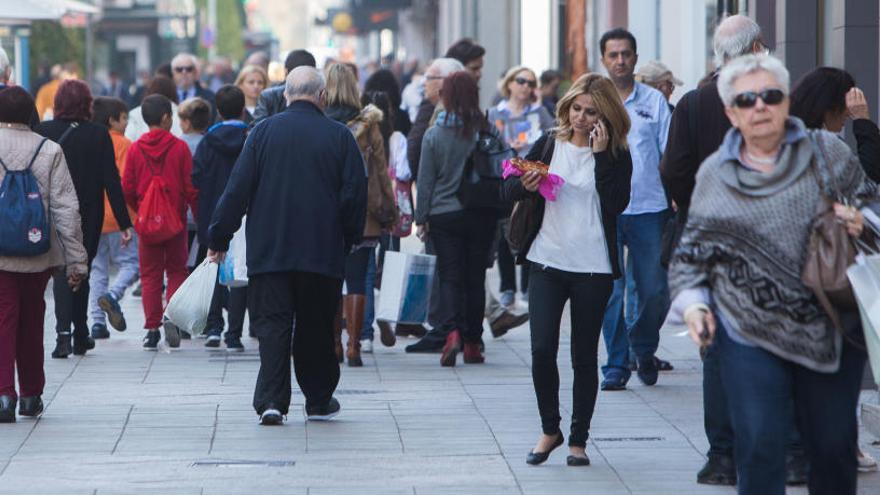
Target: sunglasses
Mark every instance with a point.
(188, 68)
(748, 99)
(521, 81)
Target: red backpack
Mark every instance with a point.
(157, 218)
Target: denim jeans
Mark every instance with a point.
(762, 390)
(641, 234)
(370, 310)
(110, 251)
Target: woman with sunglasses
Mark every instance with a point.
(573, 250)
(521, 119)
(735, 280)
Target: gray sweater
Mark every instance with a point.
(444, 152)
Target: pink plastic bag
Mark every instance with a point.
(548, 187)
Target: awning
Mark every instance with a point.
(24, 11)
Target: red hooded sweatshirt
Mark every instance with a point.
(168, 157)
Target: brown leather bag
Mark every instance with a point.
(524, 217)
(831, 250)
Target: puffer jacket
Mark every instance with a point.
(382, 212)
(17, 145)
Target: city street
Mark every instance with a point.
(121, 420)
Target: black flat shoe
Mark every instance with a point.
(30, 406)
(7, 409)
(535, 458)
(575, 460)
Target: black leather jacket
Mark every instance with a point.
(271, 101)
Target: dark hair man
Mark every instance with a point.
(272, 99)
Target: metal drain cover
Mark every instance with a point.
(628, 439)
(240, 463)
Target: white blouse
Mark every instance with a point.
(572, 237)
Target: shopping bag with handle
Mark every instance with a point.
(406, 287)
(233, 269)
(188, 307)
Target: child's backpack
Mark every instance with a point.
(157, 219)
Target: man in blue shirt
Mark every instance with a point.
(640, 227)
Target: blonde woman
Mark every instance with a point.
(573, 250)
(520, 117)
(252, 80)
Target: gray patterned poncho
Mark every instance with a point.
(745, 244)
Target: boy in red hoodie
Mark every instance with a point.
(159, 153)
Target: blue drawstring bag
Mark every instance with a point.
(24, 224)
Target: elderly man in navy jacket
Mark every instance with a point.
(302, 182)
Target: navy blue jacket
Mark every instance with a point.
(212, 166)
(303, 184)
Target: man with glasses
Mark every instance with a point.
(185, 70)
(698, 126)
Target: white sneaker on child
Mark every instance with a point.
(367, 346)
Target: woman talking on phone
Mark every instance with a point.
(572, 247)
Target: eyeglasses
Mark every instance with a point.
(188, 68)
(748, 99)
(521, 81)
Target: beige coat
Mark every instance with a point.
(17, 146)
(380, 196)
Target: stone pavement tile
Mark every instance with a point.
(466, 490)
(360, 491)
(574, 488)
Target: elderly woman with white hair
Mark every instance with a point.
(736, 279)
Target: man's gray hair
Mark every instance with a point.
(748, 64)
(180, 57)
(304, 81)
(735, 36)
(4, 65)
(447, 66)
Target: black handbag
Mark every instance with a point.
(524, 217)
(481, 180)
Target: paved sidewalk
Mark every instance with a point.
(121, 420)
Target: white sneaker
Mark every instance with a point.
(271, 417)
(867, 463)
(367, 346)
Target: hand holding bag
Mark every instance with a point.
(831, 250)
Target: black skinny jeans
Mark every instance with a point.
(462, 240)
(589, 293)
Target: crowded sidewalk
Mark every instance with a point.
(120, 420)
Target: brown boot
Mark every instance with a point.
(337, 333)
(353, 307)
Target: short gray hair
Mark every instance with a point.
(4, 65)
(735, 36)
(304, 81)
(180, 58)
(748, 64)
(447, 66)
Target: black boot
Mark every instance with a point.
(82, 344)
(62, 346)
(718, 470)
(7, 409)
(31, 406)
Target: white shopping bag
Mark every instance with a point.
(233, 270)
(865, 279)
(188, 307)
(406, 287)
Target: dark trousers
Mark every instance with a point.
(71, 308)
(762, 389)
(589, 295)
(435, 309)
(507, 268)
(233, 299)
(462, 240)
(22, 312)
(274, 300)
(716, 415)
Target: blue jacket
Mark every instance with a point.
(303, 184)
(212, 166)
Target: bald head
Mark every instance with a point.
(305, 83)
(736, 35)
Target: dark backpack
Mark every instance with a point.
(482, 177)
(24, 223)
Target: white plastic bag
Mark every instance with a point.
(406, 287)
(865, 279)
(233, 270)
(188, 307)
